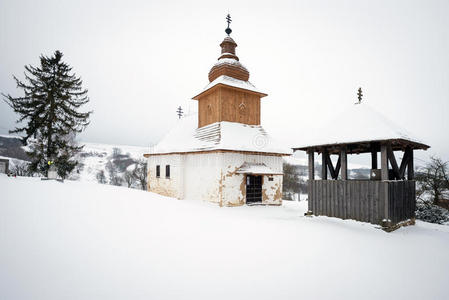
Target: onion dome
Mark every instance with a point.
(228, 63)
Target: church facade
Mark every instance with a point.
(222, 154)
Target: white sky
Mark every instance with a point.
(140, 60)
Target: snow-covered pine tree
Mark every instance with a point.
(49, 109)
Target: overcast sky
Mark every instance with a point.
(140, 60)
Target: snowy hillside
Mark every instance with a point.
(80, 240)
(355, 171)
(95, 156)
(92, 159)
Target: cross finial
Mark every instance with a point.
(359, 95)
(179, 112)
(228, 19)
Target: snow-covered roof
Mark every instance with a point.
(186, 137)
(359, 123)
(256, 168)
(227, 80)
(230, 61)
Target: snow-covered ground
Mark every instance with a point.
(81, 240)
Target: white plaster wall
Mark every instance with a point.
(234, 185)
(272, 190)
(173, 186)
(202, 177)
(212, 177)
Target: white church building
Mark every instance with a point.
(222, 154)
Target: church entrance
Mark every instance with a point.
(253, 189)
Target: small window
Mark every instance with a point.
(167, 171)
(270, 178)
(158, 171)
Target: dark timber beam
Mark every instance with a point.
(311, 164)
(338, 166)
(373, 158)
(324, 164)
(410, 167)
(404, 164)
(333, 171)
(330, 166)
(344, 164)
(384, 162)
(394, 164)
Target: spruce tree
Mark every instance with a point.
(49, 111)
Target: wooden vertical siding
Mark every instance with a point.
(363, 200)
(403, 205)
(229, 104)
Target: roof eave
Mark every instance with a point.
(216, 150)
(405, 142)
(260, 173)
(227, 86)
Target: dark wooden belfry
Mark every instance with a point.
(386, 198)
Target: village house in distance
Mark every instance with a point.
(223, 154)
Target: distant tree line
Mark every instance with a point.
(292, 182)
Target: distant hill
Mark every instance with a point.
(11, 146)
(355, 171)
(93, 158)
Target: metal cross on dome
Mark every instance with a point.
(228, 19)
(179, 112)
(359, 95)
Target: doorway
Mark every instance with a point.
(253, 189)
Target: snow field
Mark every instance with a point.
(80, 240)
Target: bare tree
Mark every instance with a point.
(101, 178)
(433, 179)
(114, 178)
(140, 173)
(129, 178)
(116, 152)
(292, 183)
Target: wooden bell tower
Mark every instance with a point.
(229, 95)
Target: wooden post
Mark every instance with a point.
(410, 166)
(384, 162)
(344, 163)
(324, 164)
(373, 159)
(311, 164)
(310, 195)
